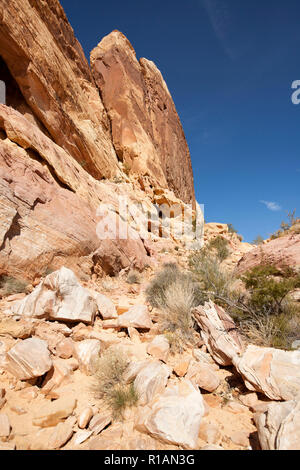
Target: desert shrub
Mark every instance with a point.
(220, 245)
(215, 282)
(258, 240)
(269, 286)
(231, 228)
(10, 285)
(110, 385)
(133, 277)
(170, 274)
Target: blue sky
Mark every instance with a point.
(229, 65)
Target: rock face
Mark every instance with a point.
(143, 116)
(176, 416)
(28, 359)
(58, 297)
(55, 80)
(274, 372)
(279, 426)
(218, 332)
(280, 252)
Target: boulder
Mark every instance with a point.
(273, 372)
(279, 426)
(219, 333)
(175, 417)
(203, 375)
(159, 348)
(28, 359)
(137, 317)
(105, 306)
(58, 297)
(54, 412)
(150, 380)
(88, 352)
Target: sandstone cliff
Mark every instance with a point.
(73, 138)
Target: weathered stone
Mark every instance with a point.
(28, 359)
(159, 348)
(58, 297)
(181, 367)
(105, 306)
(151, 379)
(61, 372)
(219, 333)
(87, 352)
(84, 417)
(54, 412)
(175, 417)
(81, 436)
(137, 317)
(274, 372)
(279, 426)
(65, 348)
(99, 422)
(203, 375)
(209, 433)
(240, 438)
(17, 329)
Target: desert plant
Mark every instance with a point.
(170, 274)
(10, 285)
(258, 240)
(133, 277)
(231, 228)
(110, 385)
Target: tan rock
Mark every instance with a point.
(279, 426)
(17, 329)
(175, 417)
(54, 412)
(4, 425)
(99, 422)
(87, 352)
(136, 317)
(144, 140)
(84, 417)
(210, 433)
(105, 306)
(59, 297)
(151, 380)
(203, 375)
(274, 372)
(181, 367)
(28, 359)
(250, 399)
(240, 438)
(212, 447)
(60, 373)
(219, 333)
(65, 348)
(159, 348)
(134, 335)
(81, 436)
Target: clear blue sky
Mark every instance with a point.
(229, 65)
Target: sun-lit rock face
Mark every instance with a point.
(146, 129)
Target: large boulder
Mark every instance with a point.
(273, 372)
(175, 417)
(219, 333)
(28, 359)
(279, 426)
(58, 297)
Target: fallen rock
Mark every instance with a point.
(151, 379)
(219, 333)
(81, 436)
(17, 329)
(105, 306)
(175, 417)
(137, 317)
(203, 375)
(240, 438)
(249, 399)
(181, 367)
(28, 359)
(273, 372)
(159, 348)
(87, 352)
(58, 297)
(65, 348)
(54, 437)
(84, 417)
(61, 372)
(52, 413)
(99, 422)
(279, 426)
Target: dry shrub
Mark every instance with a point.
(133, 277)
(10, 285)
(109, 384)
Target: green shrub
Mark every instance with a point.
(10, 285)
(110, 385)
(258, 240)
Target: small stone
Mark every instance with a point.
(4, 425)
(81, 436)
(85, 417)
(159, 348)
(53, 412)
(65, 348)
(240, 438)
(99, 422)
